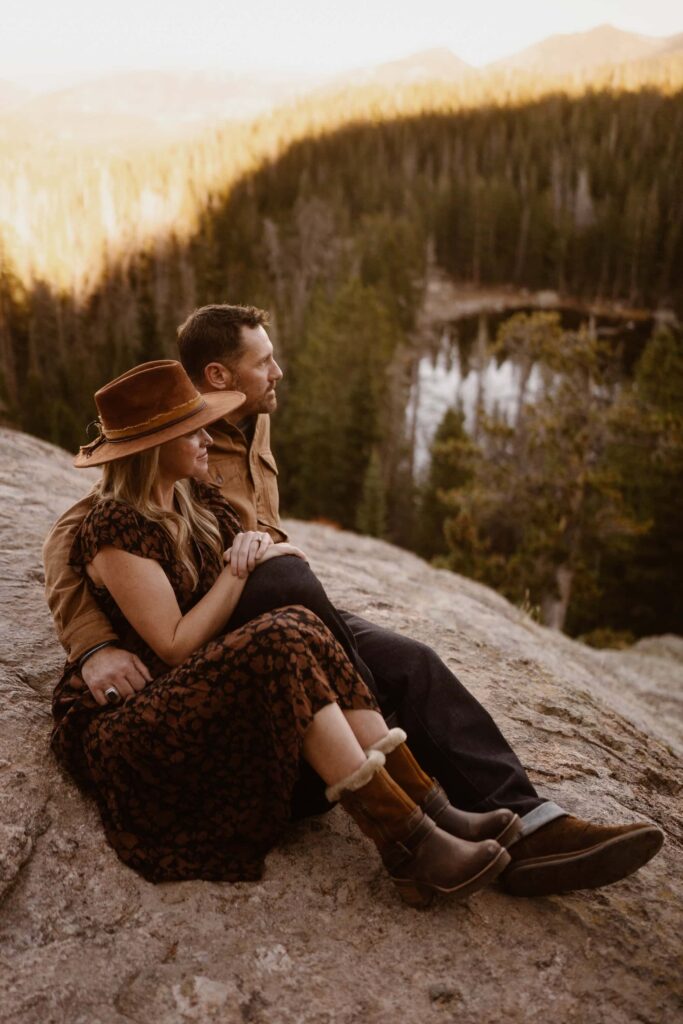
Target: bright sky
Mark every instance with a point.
(69, 37)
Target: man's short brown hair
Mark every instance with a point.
(212, 335)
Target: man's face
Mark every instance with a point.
(256, 373)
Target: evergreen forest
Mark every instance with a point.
(338, 220)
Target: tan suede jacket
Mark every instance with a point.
(247, 477)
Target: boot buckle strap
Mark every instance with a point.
(394, 854)
(435, 801)
(401, 848)
(396, 851)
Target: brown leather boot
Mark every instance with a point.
(503, 826)
(421, 859)
(569, 853)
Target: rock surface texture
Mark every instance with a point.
(323, 939)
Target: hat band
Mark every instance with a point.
(156, 423)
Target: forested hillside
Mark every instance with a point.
(332, 218)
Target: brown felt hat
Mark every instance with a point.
(150, 404)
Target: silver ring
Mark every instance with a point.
(112, 695)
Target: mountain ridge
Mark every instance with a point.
(603, 45)
(167, 98)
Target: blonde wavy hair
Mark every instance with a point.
(131, 480)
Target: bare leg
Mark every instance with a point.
(367, 726)
(335, 740)
(330, 746)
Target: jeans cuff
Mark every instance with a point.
(540, 816)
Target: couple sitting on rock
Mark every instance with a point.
(212, 691)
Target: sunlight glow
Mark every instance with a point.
(311, 37)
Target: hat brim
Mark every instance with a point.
(217, 405)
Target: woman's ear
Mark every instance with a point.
(217, 377)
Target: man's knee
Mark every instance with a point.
(289, 576)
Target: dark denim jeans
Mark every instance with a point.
(450, 733)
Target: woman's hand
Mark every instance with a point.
(247, 549)
(283, 549)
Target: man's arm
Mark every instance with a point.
(80, 623)
(82, 627)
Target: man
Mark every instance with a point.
(227, 347)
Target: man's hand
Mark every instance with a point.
(247, 549)
(112, 666)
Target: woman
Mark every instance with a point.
(194, 774)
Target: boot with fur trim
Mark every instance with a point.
(503, 826)
(421, 859)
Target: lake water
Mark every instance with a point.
(460, 369)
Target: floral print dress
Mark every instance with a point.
(194, 775)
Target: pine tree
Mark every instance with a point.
(541, 497)
(371, 514)
(453, 457)
(642, 579)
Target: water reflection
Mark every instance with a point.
(460, 369)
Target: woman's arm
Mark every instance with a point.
(145, 596)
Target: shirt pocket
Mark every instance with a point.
(267, 498)
(226, 473)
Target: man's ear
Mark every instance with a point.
(217, 377)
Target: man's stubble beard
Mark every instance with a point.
(268, 403)
(266, 406)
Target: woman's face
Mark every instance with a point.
(186, 456)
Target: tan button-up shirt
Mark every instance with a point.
(247, 474)
(247, 477)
